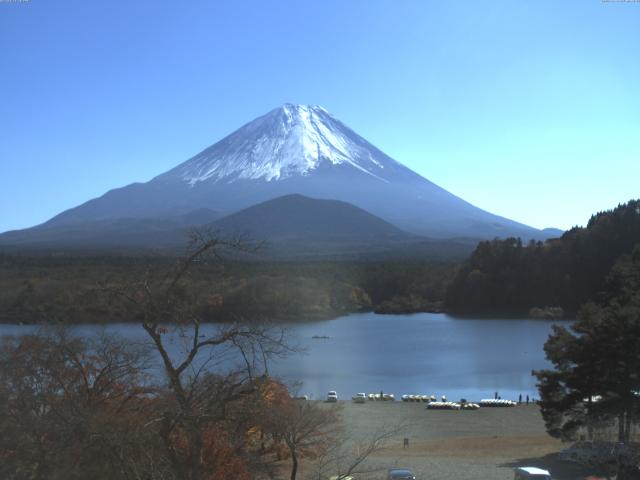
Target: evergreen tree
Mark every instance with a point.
(596, 375)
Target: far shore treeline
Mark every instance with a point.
(511, 277)
(76, 289)
(502, 277)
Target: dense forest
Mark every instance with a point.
(501, 277)
(509, 277)
(77, 289)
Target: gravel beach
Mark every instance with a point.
(447, 445)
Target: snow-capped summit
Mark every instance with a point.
(289, 140)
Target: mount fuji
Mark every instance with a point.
(293, 149)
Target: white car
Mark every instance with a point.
(332, 396)
(360, 398)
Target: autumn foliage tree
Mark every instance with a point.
(74, 408)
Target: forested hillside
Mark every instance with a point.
(76, 289)
(507, 276)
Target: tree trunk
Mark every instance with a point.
(590, 421)
(627, 428)
(195, 452)
(294, 464)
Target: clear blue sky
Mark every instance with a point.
(530, 110)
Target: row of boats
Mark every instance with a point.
(422, 398)
(464, 405)
(452, 406)
(431, 401)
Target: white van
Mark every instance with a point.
(526, 473)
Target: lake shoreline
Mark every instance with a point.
(313, 319)
(423, 353)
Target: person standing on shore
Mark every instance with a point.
(519, 399)
(527, 399)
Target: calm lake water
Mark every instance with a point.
(421, 353)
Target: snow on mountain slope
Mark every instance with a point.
(288, 141)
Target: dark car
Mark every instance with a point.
(401, 474)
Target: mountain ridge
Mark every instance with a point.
(292, 227)
(297, 149)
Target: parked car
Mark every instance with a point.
(531, 473)
(360, 398)
(332, 396)
(401, 474)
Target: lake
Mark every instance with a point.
(422, 353)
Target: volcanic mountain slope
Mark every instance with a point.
(294, 149)
(303, 219)
(161, 232)
(295, 226)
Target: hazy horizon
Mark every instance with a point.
(529, 111)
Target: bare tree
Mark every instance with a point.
(346, 456)
(219, 365)
(306, 428)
